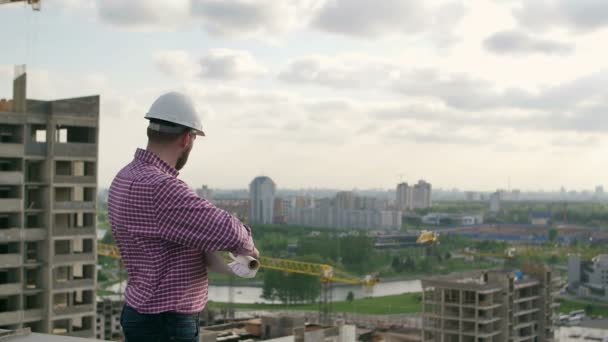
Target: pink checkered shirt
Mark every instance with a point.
(162, 229)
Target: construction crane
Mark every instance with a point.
(34, 3)
(327, 275)
(431, 240)
(428, 237)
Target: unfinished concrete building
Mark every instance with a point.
(48, 185)
(108, 327)
(491, 306)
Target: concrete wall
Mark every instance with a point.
(574, 270)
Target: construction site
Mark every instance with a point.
(490, 306)
(48, 184)
(50, 252)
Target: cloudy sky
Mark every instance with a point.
(337, 93)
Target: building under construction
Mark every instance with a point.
(490, 306)
(48, 185)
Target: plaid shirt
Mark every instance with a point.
(162, 229)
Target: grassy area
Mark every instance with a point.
(388, 305)
(105, 293)
(398, 304)
(590, 308)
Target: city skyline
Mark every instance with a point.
(467, 94)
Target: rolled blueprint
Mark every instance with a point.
(241, 266)
(244, 266)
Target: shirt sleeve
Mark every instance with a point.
(187, 219)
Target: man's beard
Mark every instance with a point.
(181, 161)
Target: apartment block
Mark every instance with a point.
(413, 197)
(108, 326)
(588, 278)
(490, 306)
(48, 185)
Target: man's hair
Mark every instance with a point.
(157, 137)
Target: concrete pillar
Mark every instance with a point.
(20, 89)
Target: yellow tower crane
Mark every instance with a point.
(427, 237)
(327, 275)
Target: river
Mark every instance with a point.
(251, 294)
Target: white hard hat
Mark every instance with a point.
(176, 108)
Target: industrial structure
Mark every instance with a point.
(48, 186)
(490, 306)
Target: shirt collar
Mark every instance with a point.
(151, 158)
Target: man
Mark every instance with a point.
(163, 229)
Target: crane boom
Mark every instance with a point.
(326, 273)
(34, 3)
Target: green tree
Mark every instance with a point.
(108, 238)
(350, 296)
(291, 288)
(410, 264)
(396, 264)
(553, 235)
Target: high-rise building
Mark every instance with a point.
(471, 196)
(48, 186)
(515, 195)
(421, 195)
(495, 202)
(490, 306)
(403, 200)
(345, 200)
(346, 210)
(281, 210)
(599, 191)
(261, 200)
(302, 202)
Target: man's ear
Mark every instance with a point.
(183, 139)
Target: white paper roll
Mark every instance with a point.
(241, 266)
(244, 266)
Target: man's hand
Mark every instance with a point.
(247, 252)
(255, 253)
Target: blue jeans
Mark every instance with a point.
(162, 327)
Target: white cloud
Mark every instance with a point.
(144, 14)
(177, 63)
(245, 18)
(218, 64)
(337, 71)
(230, 65)
(580, 16)
(457, 91)
(389, 17)
(371, 18)
(520, 43)
(268, 20)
